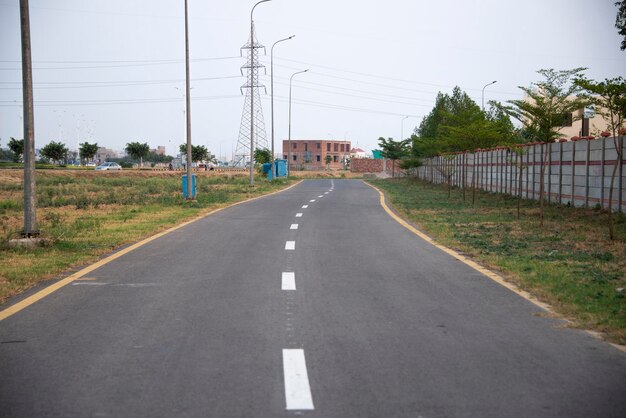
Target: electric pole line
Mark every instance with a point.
(30, 218)
(252, 128)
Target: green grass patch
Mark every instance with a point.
(569, 263)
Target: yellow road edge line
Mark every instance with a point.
(490, 274)
(13, 309)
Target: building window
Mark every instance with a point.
(319, 145)
(295, 157)
(284, 157)
(295, 146)
(318, 158)
(336, 147)
(343, 147)
(334, 158)
(328, 147)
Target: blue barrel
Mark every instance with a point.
(193, 186)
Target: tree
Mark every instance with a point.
(198, 152)
(394, 150)
(88, 151)
(137, 151)
(609, 96)
(327, 160)
(549, 105)
(620, 21)
(55, 151)
(17, 148)
(262, 156)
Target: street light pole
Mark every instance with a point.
(402, 127)
(289, 137)
(483, 94)
(272, 95)
(252, 92)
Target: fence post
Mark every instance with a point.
(549, 145)
(573, 173)
(621, 172)
(602, 174)
(561, 144)
(587, 174)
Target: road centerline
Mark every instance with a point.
(288, 280)
(290, 245)
(297, 388)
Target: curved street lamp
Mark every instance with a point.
(272, 98)
(483, 95)
(402, 127)
(252, 94)
(289, 137)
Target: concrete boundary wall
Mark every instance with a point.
(576, 172)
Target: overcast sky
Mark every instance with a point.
(113, 71)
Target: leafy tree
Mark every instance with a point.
(549, 104)
(198, 152)
(55, 151)
(620, 21)
(17, 148)
(138, 151)
(88, 151)
(394, 150)
(159, 158)
(327, 160)
(609, 96)
(262, 156)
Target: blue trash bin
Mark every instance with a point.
(281, 168)
(193, 186)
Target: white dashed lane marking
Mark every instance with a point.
(290, 245)
(297, 389)
(293, 226)
(320, 196)
(289, 280)
(299, 215)
(312, 200)
(305, 206)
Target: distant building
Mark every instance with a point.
(160, 150)
(104, 154)
(311, 154)
(357, 153)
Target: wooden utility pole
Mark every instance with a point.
(30, 219)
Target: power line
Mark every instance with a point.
(117, 65)
(385, 78)
(97, 84)
(115, 101)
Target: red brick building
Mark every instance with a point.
(311, 154)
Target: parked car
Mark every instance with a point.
(109, 166)
(91, 164)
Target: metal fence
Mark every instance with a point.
(576, 172)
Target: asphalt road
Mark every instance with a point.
(204, 322)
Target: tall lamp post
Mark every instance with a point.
(289, 137)
(483, 95)
(252, 93)
(402, 127)
(272, 100)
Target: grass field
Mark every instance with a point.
(86, 214)
(569, 262)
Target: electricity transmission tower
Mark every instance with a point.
(252, 127)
